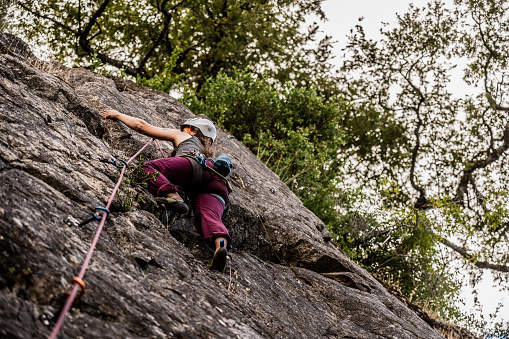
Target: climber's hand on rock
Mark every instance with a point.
(109, 114)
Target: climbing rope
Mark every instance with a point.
(78, 281)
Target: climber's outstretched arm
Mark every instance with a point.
(143, 127)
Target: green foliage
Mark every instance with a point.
(96, 65)
(18, 274)
(6, 12)
(141, 37)
(293, 130)
(431, 153)
(398, 247)
(165, 80)
(134, 176)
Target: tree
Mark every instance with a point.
(6, 7)
(140, 37)
(293, 129)
(438, 159)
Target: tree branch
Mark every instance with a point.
(85, 44)
(493, 154)
(493, 53)
(500, 108)
(39, 15)
(479, 264)
(164, 32)
(156, 44)
(481, 163)
(93, 20)
(422, 202)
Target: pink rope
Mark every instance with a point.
(72, 295)
(134, 156)
(157, 142)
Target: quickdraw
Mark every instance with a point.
(95, 216)
(116, 163)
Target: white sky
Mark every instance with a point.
(343, 16)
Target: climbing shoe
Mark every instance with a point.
(173, 204)
(219, 261)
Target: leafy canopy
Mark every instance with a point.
(437, 157)
(140, 37)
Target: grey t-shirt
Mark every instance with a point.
(192, 145)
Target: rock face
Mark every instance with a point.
(149, 277)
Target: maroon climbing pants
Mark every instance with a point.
(176, 173)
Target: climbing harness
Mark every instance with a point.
(78, 281)
(197, 170)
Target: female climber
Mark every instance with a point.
(208, 195)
